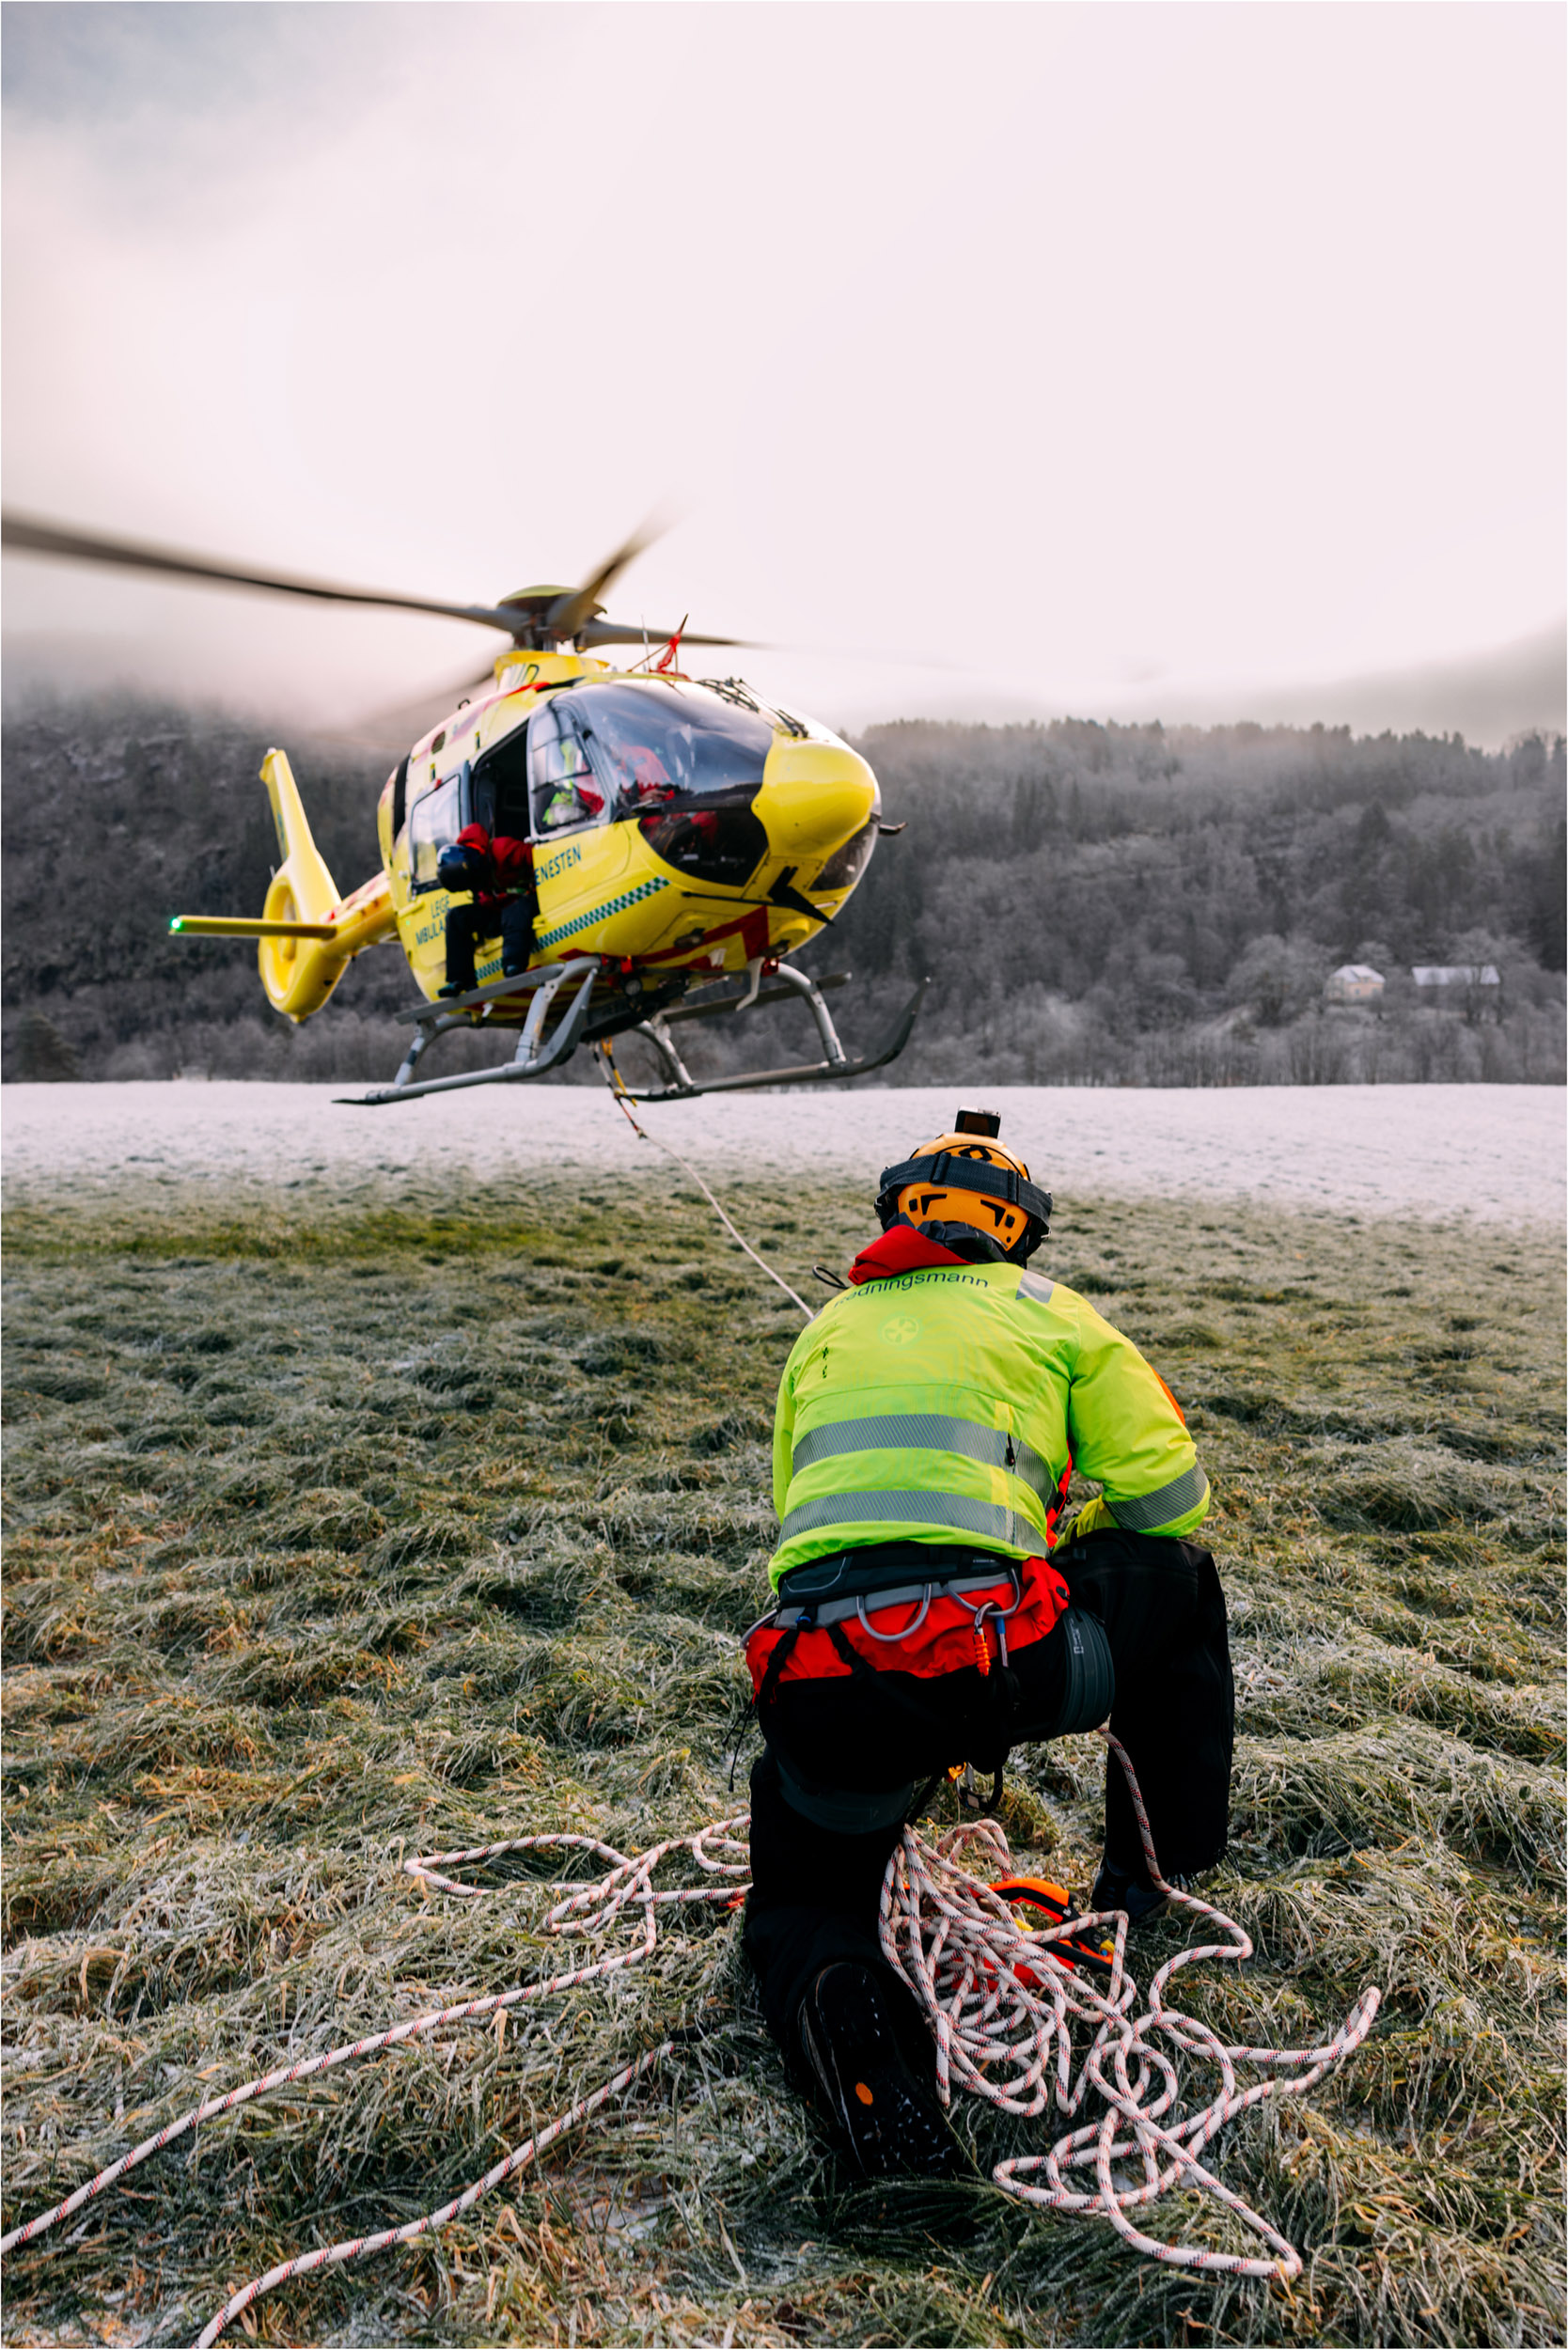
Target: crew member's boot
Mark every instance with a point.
(1114, 1888)
(889, 2118)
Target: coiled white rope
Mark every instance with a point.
(1006, 2035)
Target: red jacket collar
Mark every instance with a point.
(900, 1250)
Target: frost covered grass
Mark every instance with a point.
(341, 1530)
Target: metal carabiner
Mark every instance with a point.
(982, 1655)
(988, 1607)
(1001, 1614)
(979, 1609)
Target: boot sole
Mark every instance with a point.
(892, 2123)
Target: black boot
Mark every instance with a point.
(890, 2118)
(1115, 1889)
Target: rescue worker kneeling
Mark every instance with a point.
(928, 1426)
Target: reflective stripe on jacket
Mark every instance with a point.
(942, 1401)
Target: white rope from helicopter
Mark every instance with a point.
(624, 1099)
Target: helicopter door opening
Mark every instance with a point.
(435, 823)
(499, 794)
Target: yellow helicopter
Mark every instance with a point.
(686, 838)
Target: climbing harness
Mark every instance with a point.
(1001, 2005)
(936, 1616)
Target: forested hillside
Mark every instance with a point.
(1129, 906)
(1094, 904)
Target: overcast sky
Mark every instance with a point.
(1126, 360)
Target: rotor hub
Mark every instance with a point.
(537, 629)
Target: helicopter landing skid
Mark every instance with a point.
(533, 1057)
(837, 1064)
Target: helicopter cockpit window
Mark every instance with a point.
(654, 739)
(434, 824)
(617, 750)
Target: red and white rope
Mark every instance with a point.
(1009, 2038)
(959, 1948)
(586, 1909)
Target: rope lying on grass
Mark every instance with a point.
(585, 1910)
(957, 1946)
(1000, 2004)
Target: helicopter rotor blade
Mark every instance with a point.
(611, 633)
(400, 722)
(570, 614)
(26, 535)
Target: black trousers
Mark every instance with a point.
(1164, 1612)
(815, 1894)
(467, 924)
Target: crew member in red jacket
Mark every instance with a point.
(500, 874)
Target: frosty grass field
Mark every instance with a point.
(380, 1482)
(1494, 1152)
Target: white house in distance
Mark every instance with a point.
(1353, 983)
(1456, 975)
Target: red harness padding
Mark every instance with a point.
(955, 1632)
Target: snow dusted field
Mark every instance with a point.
(1494, 1154)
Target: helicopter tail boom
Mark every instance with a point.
(307, 935)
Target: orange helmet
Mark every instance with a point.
(967, 1178)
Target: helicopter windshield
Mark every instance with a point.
(611, 750)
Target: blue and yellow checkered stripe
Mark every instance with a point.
(602, 913)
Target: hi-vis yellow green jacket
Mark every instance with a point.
(941, 1401)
